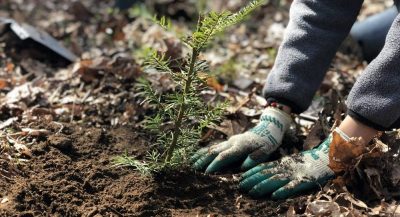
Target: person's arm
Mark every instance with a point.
(314, 33)
(374, 99)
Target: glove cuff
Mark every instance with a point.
(280, 115)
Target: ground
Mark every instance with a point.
(71, 175)
(62, 123)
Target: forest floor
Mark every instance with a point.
(61, 123)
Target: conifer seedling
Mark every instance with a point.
(181, 116)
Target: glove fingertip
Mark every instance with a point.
(218, 163)
(248, 183)
(248, 164)
(293, 188)
(257, 169)
(195, 157)
(255, 193)
(251, 172)
(268, 186)
(280, 194)
(196, 166)
(203, 161)
(213, 167)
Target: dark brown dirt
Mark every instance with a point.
(71, 174)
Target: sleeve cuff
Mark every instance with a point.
(295, 108)
(367, 122)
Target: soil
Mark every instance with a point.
(71, 174)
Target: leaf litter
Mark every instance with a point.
(59, 122)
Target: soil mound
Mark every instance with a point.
(71, 174)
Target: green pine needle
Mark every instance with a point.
(181, 116)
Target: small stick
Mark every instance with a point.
(308, 117)
(243, 93)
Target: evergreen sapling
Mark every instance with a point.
(182, 115)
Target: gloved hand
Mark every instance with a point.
(256, 144)
(292, 174)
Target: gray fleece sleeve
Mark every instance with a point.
(375, 97)
(314, 33)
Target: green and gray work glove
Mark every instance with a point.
(291, 175)
(257, 144)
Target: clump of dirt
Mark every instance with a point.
(71, 174)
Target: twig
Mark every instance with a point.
(395, 209)
(9, 179)
(262, 99)
(61, 128)
(86, 96)
(246, 100)
(308, 117)
(115, 211)
(54, 94)
(73, 110)
(244, 93)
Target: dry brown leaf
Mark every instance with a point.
(3, 84)
(343, 154)
(315, 136)
(323, 208)
(10, 67)
(291, 212)
(22, 149)
(230, 127)
(24, 93)
(214, 84)
(91, 69)
(394, 209)
(350, 199)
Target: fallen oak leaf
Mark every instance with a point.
(343, 154)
